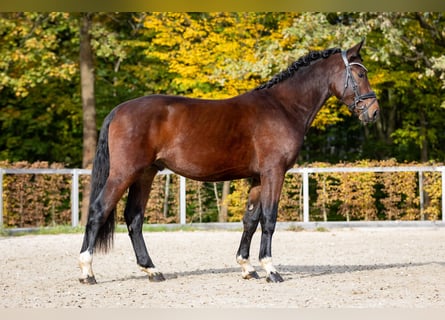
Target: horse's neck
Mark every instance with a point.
(302, 96)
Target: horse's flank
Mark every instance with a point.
(203, 139)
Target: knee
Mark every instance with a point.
(268, 224)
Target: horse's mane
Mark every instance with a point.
(303, 61)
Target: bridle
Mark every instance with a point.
(357, 96)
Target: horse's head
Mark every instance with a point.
(352, 87)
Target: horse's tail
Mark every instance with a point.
(99, 175)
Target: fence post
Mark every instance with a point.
(305, 195)
(1, 198)
(182, 206)
(75, 198)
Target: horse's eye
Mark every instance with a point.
(361, 74)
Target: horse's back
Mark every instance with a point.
(197, 138)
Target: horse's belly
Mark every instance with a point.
(208, 167)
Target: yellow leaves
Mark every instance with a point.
(433, 188)
(237, 200)
(193, 34)
(65, 71)
(376, 196)
(208, 52)
(291, 199)
(400, 188)
(353, 195)
(223, 54)
(356, 191)
(378, 77)
(33, 43)
(172, 28)
(330, 114)
(36, 200)
(31, 53)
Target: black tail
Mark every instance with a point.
(99, 175)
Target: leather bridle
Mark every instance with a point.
(357, 96)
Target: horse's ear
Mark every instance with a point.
(355, 50)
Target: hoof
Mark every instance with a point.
(156, 277)
(274, 277)
(251, 275)
(88, 280)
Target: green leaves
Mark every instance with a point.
(32, 50)
(217, 55)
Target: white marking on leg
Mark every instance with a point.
(85, 263)
(246, 267)
(267, 265)
(150, 271)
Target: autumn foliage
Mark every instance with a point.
(35, 200)
(44, 199)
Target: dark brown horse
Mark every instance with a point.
(255, 135)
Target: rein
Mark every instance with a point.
(357, 96)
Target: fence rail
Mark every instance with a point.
(306, 171)
(75, 173)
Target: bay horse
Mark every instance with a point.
(255, 135)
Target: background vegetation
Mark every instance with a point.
(217, 55)
(32, 200)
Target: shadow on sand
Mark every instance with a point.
(290, 271)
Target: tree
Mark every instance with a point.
(87, 91)
(40, 101)
(408, 50)
(88, 105)
(38, 115)
(223, 45)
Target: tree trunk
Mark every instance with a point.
(218, 201)
(391, 116)
(88, 105)
(166, 195)
(423, 159)
(224, 208)
(325, 213)
(423, 137)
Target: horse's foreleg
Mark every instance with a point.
(271, 189)
(134, 217)
(250, 223)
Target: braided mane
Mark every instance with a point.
(302, 62)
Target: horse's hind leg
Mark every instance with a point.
(250, 223)
(134, 217)
(100, 225)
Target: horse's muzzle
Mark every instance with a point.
(375, 115)
(369, 112)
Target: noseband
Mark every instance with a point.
(357, 96)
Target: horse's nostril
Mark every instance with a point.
(375, 115)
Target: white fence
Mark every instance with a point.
(306, 171)
(182, 185)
